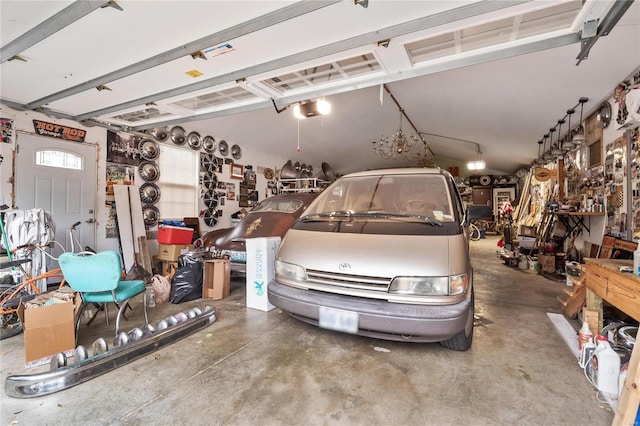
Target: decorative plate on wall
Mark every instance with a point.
(194, 140)
(269, 173)
(178, 135)
(223, 147)
(236, 152)
(149, 171)
(149, 149)
(211, 217)
(209, 144)
(486, 180)
(149, 193)
(151, 215)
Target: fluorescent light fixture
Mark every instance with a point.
(311, 109)
(476, 165)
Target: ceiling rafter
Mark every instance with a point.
(373, 37)
(60, 20)
(512, 51)
(244, 28)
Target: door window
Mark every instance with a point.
(60, 159)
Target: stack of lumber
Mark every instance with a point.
(575, 295)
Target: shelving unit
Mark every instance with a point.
(302, 185)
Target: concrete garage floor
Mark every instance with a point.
(252, 367)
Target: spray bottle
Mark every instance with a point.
(584, 335)
(636, 260)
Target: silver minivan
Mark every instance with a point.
(384, 254)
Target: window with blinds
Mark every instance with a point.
(178, 182)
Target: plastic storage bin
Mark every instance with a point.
(168, 234)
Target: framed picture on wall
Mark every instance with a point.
(236, 171)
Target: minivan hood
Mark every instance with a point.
(383, 256)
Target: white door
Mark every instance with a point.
(60, 177)
(500, 195)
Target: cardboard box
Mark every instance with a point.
(48, 329)
(527, 231)
(216, 283)
(526, 242)
(171, 252)
(547, 262)
(261, 255)
(168, 269)
(168, 234)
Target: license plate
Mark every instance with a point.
(338, 319)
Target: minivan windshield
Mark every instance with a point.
(418, 197)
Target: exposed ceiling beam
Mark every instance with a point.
(461, 62)
(65, 17)
(244, 28)
(608, 22)
(373, 37)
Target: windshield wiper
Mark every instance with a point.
(374, 213)
(328, 215)
(425, 219)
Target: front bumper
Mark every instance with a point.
(376, 318)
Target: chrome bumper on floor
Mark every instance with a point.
(128, 347)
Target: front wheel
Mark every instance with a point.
(462, 341)
(10, 324)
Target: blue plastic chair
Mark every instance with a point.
(98, 279)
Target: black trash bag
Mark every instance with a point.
(186, 284)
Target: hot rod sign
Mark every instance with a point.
(59, 131)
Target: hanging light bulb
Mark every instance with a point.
(546, 157)
(541, 160)
(568, 144)
(539, 146)
(579, 138)
(557, 149)
(553, 149)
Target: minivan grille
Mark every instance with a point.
(360, 282)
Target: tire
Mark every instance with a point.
(10, 324)
(462, 341)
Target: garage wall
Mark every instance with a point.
(97, 136)
(598, 224)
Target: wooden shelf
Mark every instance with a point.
(581, 213)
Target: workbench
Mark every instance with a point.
(606, 283)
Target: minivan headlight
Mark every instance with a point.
(429, 286)
(290, 271)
